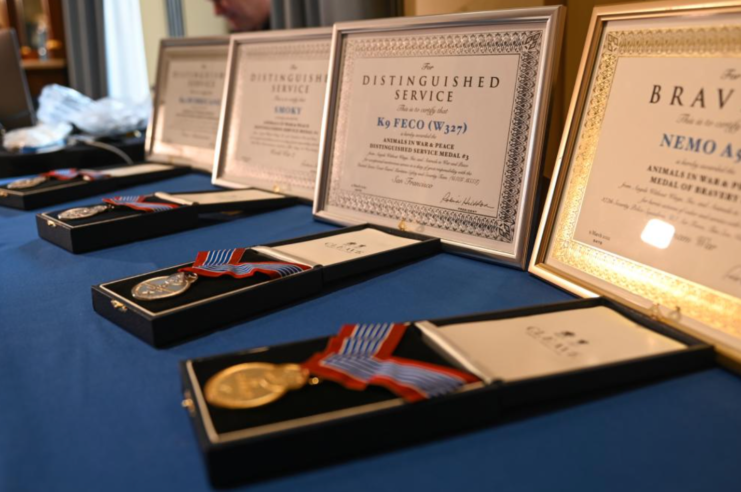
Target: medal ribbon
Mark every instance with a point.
(361, 355)
(227, 262)
(137, 202)
(72, 173)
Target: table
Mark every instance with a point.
(86, 406)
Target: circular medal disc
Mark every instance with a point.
(82, 212)
(21, 184)
(163, 287)
(253, 384)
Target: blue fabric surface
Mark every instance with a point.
(86, 406)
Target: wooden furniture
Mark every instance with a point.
(40, 28)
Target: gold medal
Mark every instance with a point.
(254, 384)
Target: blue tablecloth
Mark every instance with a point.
(86, 406)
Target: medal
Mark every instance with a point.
(213, 264)
(59, 174)
(361, 355)
(82, 212)
(22, 184)
(163, 287)
(253, 384)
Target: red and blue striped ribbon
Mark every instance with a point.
(137, 202)
(361, 355)
(72, 173)
(227, 262)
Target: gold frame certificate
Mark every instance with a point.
(435, 125)
(271, 125)
(646, 203)
(187, 105)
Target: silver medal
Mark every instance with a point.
(82, 212)
(21, 184)
(163, 287)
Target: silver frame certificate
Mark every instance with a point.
(270, 127)
(435, 125)
(187, 103)
(645, 205)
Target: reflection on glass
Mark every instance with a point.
(658, 233)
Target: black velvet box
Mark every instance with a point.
(122, 225)
(56, 191)
(214, 302)
(79, 155)
(319, 424)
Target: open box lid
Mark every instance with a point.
(644, 205)
(187, 101)
(270, 124)
(436, 125)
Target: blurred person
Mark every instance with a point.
(244, 15)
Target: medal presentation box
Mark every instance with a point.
(520, 357)
(648, 213)
(436, 125)
(191, 74)
(42, 191)
(270, 128)
(210, 303)
(187, 104)
(80, 155)
(102, 225)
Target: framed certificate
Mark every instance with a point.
(645, 205)
(187, 101)
(271, 121)
(435, 125)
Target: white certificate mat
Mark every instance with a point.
(545, 344)
(274, 115)
(434, 128)
(120, 172)
(218, 197)
(342, 247)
